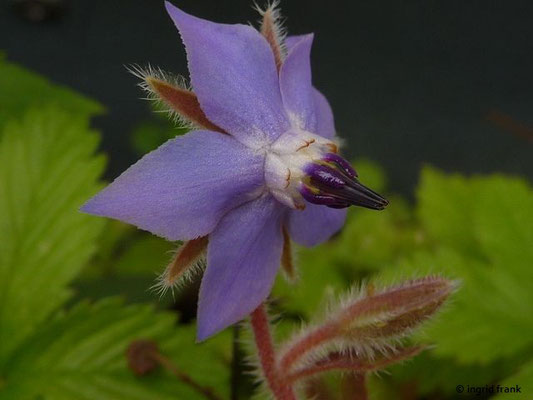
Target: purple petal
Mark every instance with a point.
(234, 75)
(315, 224)
(243, 256)
(325, 124)
(291, 41)
(181, 190)
(296, 85)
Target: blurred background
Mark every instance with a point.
(433, 100)
(446, 83)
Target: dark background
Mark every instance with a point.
(411, 82)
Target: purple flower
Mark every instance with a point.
(267, 165)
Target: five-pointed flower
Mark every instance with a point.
(265, 169)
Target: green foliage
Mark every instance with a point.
(22, 89)
(478, 230)
(524, 378)
(493, 310)
(81, 355)
(47, 171)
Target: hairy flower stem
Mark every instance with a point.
(267, 358)
(307, 343)
(346, 362)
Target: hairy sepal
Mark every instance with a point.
(186, 263)
(273, 31)
(172, 92)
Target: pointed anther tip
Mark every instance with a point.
(385, 204)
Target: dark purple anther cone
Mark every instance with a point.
(332, 182)
(311, 196)
(340, 162)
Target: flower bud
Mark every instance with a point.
(394, 312)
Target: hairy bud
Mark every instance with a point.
(394, 312)
(365, 328)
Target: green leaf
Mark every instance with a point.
(493, 309)
(480, 232)
(47, 170)
(503, 223)
(81, 355)
(445, 208)
(524, 379)
(433, 377)
(483, 238)
(477, 326)
(22, 89)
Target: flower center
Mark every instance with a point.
(301, 166)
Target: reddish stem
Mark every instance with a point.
(267, 358)
(339, 361)
(409, 303)
(306, 344)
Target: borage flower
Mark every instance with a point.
(264, 171)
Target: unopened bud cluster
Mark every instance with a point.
(363, 332)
